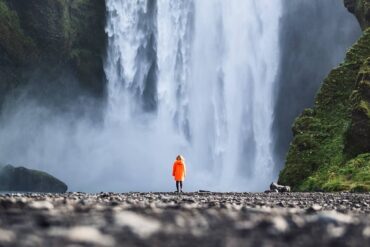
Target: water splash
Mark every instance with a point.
(195, 77)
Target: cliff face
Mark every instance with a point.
(331, 145)
(52, 47)
(361, 9)
(306, 58)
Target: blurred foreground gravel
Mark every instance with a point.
(189, 219)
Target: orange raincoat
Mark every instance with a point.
(179, 170)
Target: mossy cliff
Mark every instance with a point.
(361, 9)
(55, 44)
(331, 146)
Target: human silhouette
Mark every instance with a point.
(179, 172)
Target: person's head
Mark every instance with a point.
(179, 157)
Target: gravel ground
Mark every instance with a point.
(189, 219)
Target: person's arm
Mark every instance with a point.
(184, 170)
(173, 170)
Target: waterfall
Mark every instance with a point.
(196, 78)
(191, 77)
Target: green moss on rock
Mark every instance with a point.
(18, 46)
(52, 43)
(328, 135)
(353, 175)
(358, 133)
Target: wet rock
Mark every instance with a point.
(314, 208)
(279, 188)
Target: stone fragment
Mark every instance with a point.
(314, 208)
(280, 224)
(140, 225)
(335, 231)
(41, 205)
(6, 236)
(279, 188)
(366, 232)
(89, 235)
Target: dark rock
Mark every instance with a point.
(315, 44)
(52, 47)
(27, 180)
(361, 9)
(314, 208)
(337, 132)
(279, 188)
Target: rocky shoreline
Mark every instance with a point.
(169, 219)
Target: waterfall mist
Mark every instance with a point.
(196, 78)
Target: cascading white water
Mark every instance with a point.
(193, 77)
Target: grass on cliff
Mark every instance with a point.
(352, 176)
(319, 132)
(316, 159)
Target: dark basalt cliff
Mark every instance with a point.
(313, 38)
(27, 180)
(52, 47)
(331, 146)
(361, 9)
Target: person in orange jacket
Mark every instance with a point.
(179, 172)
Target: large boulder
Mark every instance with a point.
(27, 180)
(274, 187)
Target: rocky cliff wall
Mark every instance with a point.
(361, 9)
(330, 150)
(314, 36)
(52, 47)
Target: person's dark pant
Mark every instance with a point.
(179, 183)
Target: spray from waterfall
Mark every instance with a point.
(207, 69)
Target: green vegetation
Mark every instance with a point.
(12, 38)
(361, 8)
(55, 39)
(327, 137)
(352, 176)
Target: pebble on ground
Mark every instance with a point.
(188, 219)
